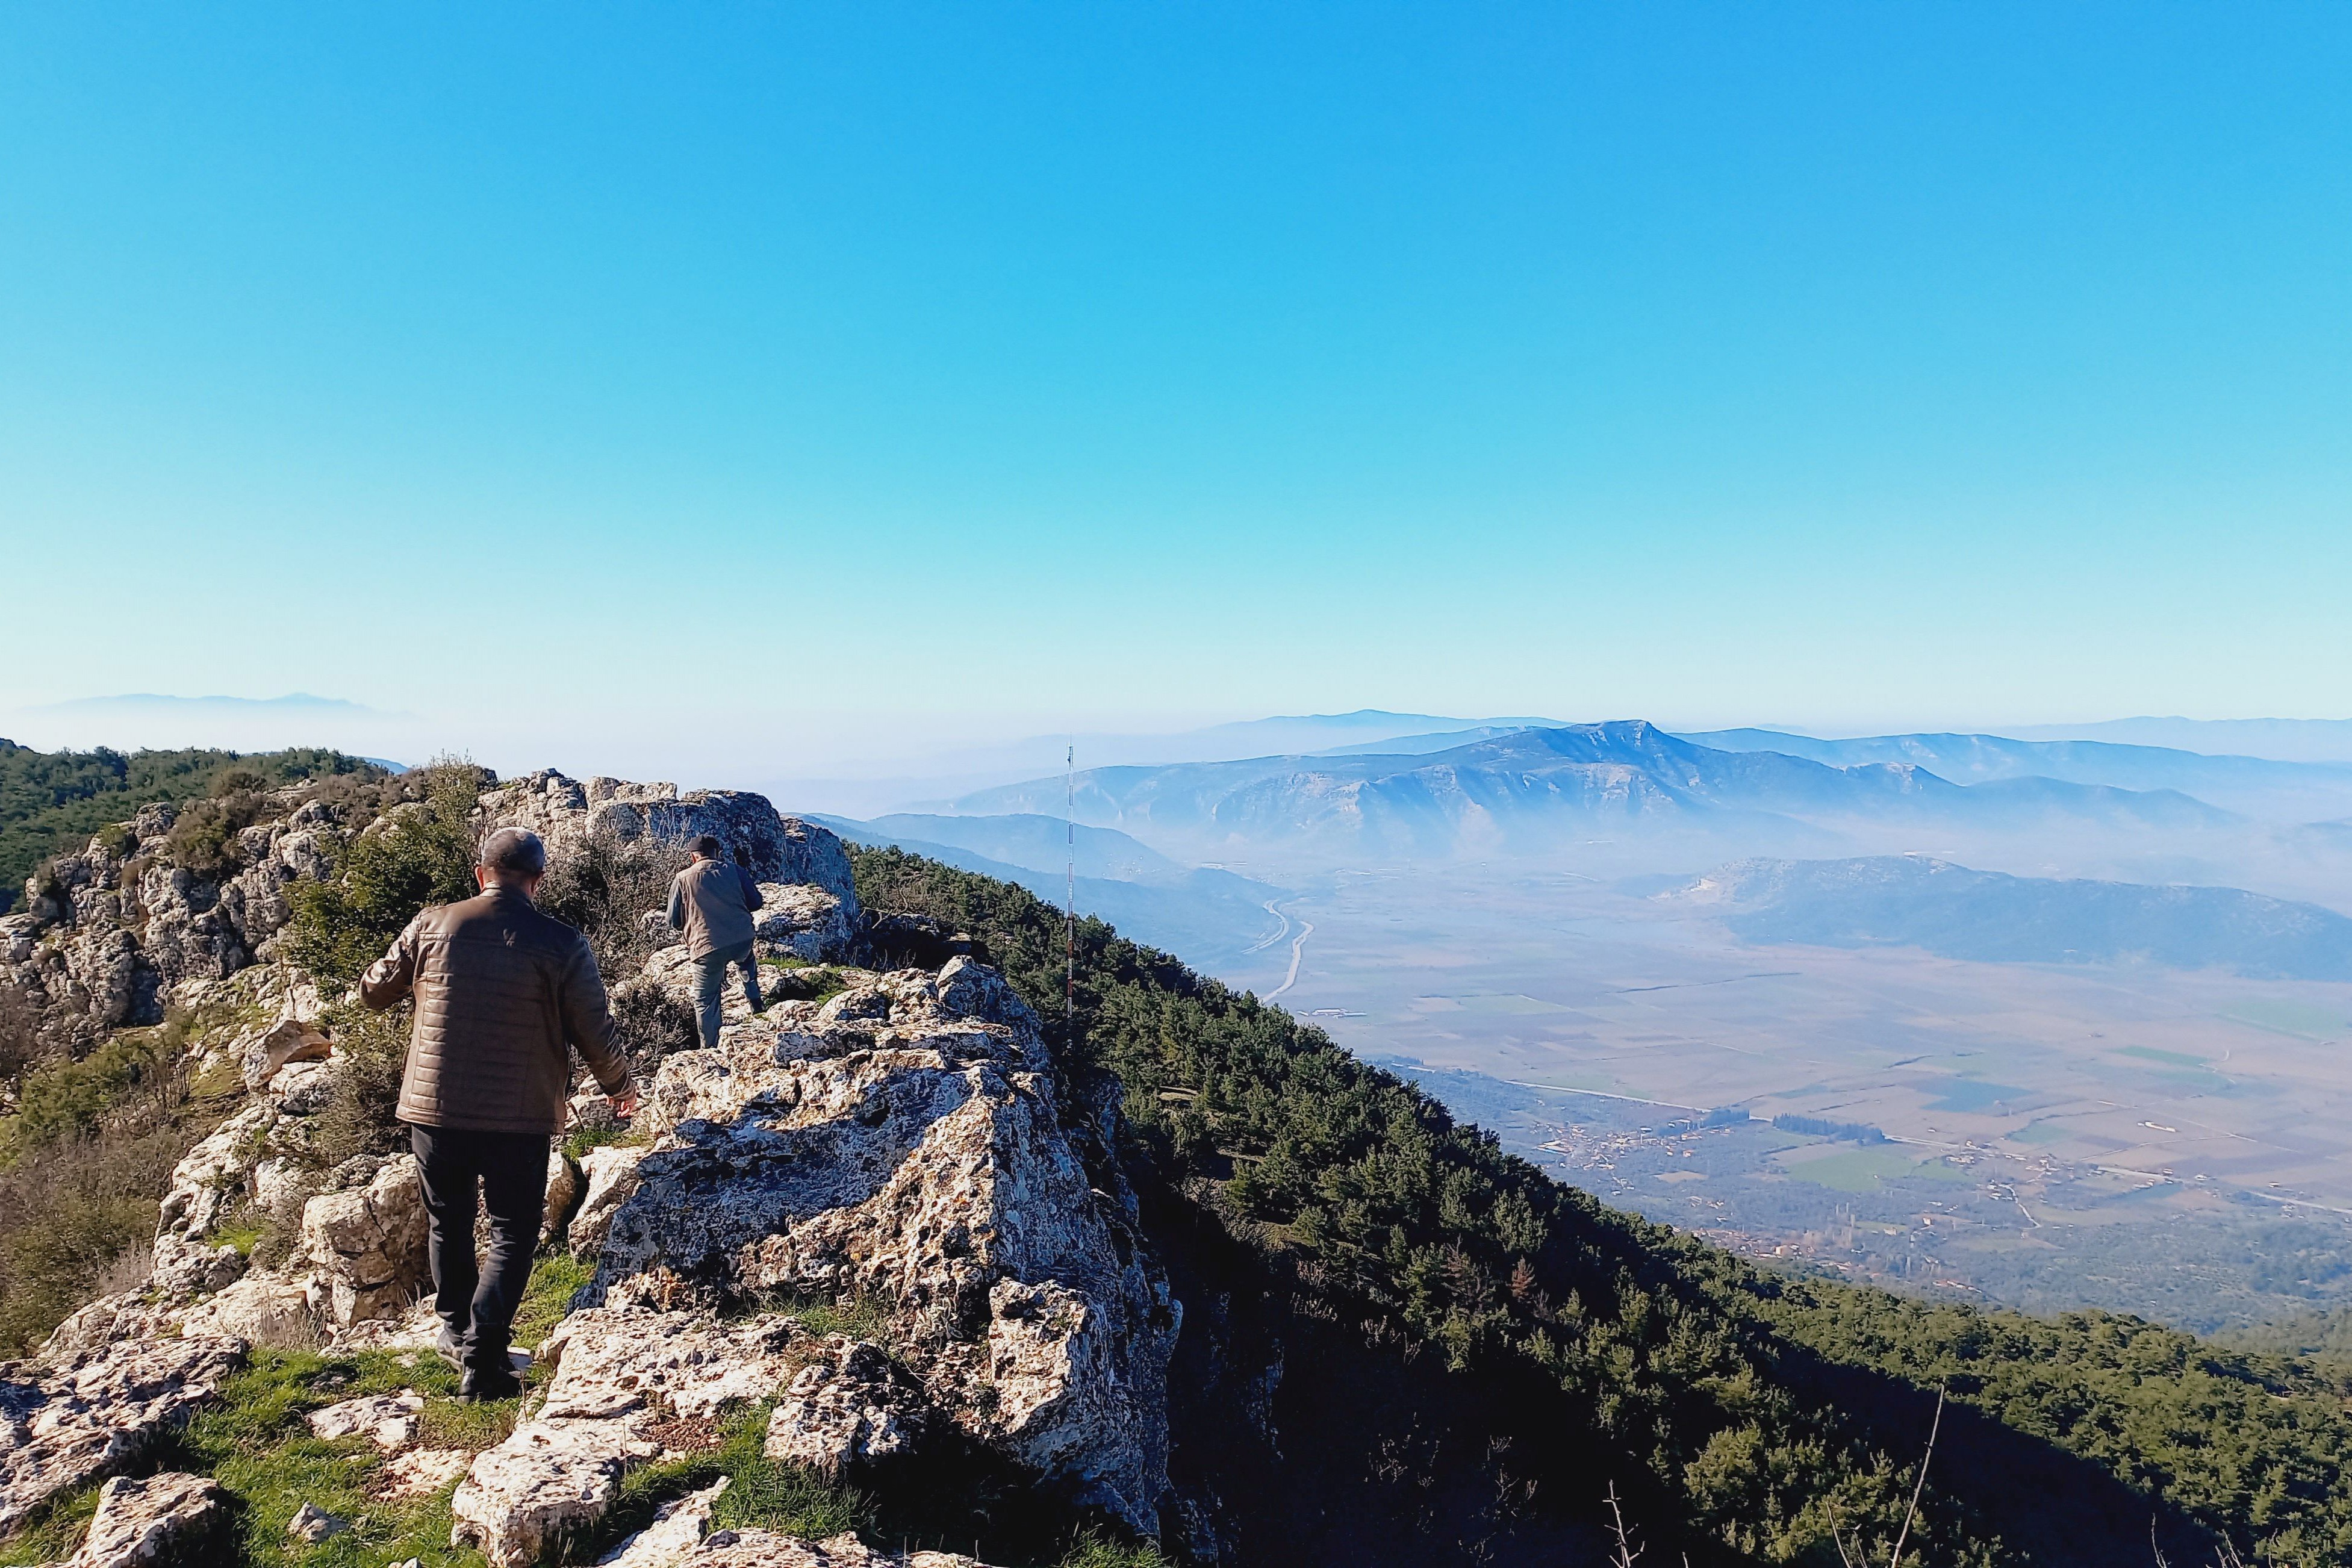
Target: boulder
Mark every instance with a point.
(390, 1421)
(290, 1041)
(368, 1244)
(211, 1177)
(609, 1173)
(313, 1524)
(902, 1145)
(153, 1523)
(848, 1407)
(98, 1411)
(801, 920)
(261, 1309)
(774, 849)
(678, 1528)
(548, 1481)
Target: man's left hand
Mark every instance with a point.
(625, 1104)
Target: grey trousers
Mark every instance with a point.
(714, 981)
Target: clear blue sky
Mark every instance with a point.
(1863, 365)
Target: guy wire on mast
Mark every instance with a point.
(1070, 889)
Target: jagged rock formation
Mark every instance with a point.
(898, 1150)
(148, 1523)
(774, 849)
(98, 1411)
(118, 928)
(898, 1145)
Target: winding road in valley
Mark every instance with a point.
(1297, 951)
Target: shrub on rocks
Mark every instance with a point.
(419, 853)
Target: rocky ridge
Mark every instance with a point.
(898, 1146)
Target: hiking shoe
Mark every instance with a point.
(449, 1349)
(482, 1384)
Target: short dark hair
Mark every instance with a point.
(706, 845)
(516, 849)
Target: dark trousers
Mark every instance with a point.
(712, 985)
(509, 1172)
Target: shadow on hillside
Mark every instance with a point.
(1298, 1442)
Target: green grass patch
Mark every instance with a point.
(760, 1493)
(2285, 1016)
(2170, 1058)
(259, 1447)
(555, 1279)
(1093, 1550)
(55, 1532)
(856, 1316)
(2041, 1132)
(1968, 1095)
(577, 1144)
(1867, 1170)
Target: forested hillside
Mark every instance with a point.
(52, 801)
(1361, 1241)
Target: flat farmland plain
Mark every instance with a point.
(2048, 1116)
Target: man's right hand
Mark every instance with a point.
(625, 1104)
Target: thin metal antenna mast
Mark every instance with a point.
(1070, 889)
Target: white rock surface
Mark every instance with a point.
(159, 1521)
(390, 1421)
(801, 920)
(904, 1146)
(772, 847)
(677, 1529)
(848, 1406)
(765, 1549)
(263, 1308)
(292, 1040)
(614, 1372)
(610, 1172)
(97, 1412)
(313, 1523)
(368, 1246)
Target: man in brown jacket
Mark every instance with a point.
(711, 902)
(500, 990)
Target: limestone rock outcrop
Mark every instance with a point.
(156, 1522)
(97, 1412)
(901, 1144)
(615, 1375)
(805, 922)
(367, 1244)
(896, 1155)
(772, 847)
(116, 929)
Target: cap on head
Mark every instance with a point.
(705, 846)
(513, 849)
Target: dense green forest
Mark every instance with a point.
(51, 802)
(1738, 1408)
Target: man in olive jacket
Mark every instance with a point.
(500, 990)
(711, 902)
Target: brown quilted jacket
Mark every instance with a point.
(501, 989)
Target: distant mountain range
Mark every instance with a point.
(1958, 912)
(1209, 916)
(2291, 740)
(1526, 788)
(1977, 759)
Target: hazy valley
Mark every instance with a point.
(2093, 995)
